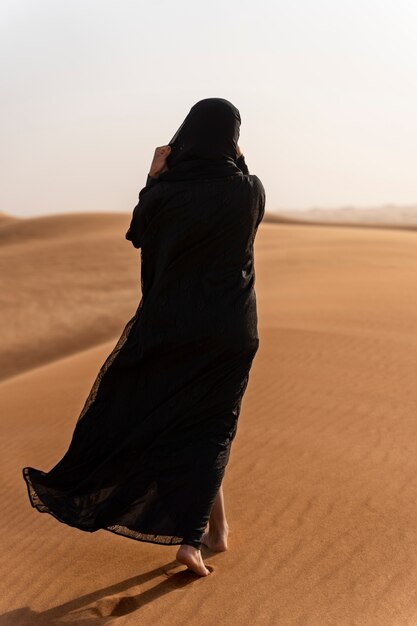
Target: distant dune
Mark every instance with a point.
(67, 282)
(7, 219)
(383, 217)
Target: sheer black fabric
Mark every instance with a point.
(151, 445)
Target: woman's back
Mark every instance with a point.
(197, 254)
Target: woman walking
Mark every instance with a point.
(151, 445)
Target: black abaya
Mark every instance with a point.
(151, 445)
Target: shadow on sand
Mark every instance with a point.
(110, 602)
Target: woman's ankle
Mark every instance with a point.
(221, 528)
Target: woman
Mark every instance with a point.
(151, 445)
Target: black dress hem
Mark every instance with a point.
(123, 531)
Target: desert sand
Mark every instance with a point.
(321, 487)
(388, 216)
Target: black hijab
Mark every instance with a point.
(205, 144)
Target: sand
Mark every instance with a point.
(321, 487)
(388, 216)
(67, 282)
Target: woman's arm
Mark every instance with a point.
(240, 161)
(142, 213)
(262, 202)
(140, 217)
(151, 180)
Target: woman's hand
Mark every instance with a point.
(158, 164)
(238, 152)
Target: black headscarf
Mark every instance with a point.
(205, 144)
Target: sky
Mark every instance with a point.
(327, 92)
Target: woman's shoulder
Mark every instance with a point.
(256, 184)
(161, 189)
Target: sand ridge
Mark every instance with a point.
(67, 282)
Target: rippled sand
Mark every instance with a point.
(321, 487)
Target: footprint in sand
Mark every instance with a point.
(115, 606)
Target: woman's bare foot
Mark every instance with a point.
(216, 539)
(191, 557)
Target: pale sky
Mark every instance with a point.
(327, 92)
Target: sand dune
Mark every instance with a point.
(5, 218)
(67, 282)
(389, 216)
(321, 487)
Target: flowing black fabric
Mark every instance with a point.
(150, 447)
